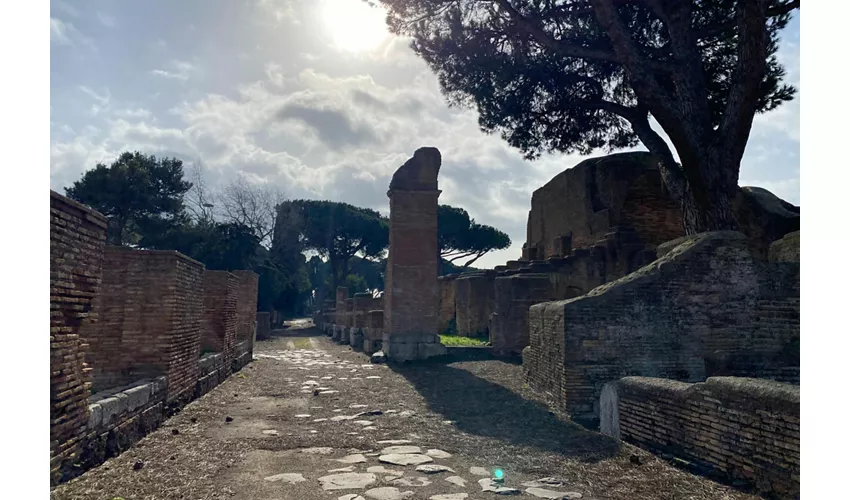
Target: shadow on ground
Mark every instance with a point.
(481, 407)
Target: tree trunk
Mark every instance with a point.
(704, 187)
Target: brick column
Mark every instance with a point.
(411, 305)
(514, 296)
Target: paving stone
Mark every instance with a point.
(488, 484)
(543, 482)
(303, 415)
(401, 449)
(434, 453)
(373, 377)
(433, 468)
(357, 406)
(479, 471)
(286, 478)
(411, 481)
(457, 481)
(449, 496)
(357, 458)
(318, 450)
(350, 468)
(395, 441)
(553, 495)
(317, 420)
(405, 459)
(340, 418)
(328, 392)
(347, 481)
(271, 432)
(351, 496)
(387, 493)
(407, 413)
(364, 423)
(380, 469)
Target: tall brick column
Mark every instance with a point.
(412, 295)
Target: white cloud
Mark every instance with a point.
(178, 70)
(106, 19)
(64, 33)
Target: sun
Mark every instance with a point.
(353, 25)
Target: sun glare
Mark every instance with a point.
(353, 25)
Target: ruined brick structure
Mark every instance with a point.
(220, 299)
(581, 205)
(603, 196)
(77, 237)
(705, 308)
(246, 312)
(474, 302)
(735, 429)
(150, 312)
(127, 324)
(447, 302)
(514, 295)
(411, 301)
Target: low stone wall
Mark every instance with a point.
(374, 332)
(213, 369)
(737, 429)
(705, 308)
(120, 417)
(244, 353)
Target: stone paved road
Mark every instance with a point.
(312, 420)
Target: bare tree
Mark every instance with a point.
(199, 200)
(253, 205)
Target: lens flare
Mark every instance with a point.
(499, 474)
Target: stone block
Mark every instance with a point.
(113, 407)
(95, 416)
(138, 396)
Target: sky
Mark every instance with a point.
(312, 96)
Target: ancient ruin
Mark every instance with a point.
(726, 427)
(411, 300)
(134, 336)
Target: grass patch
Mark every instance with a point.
(302, 343)
(455, 341)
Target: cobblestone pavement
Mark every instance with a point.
(310, 419)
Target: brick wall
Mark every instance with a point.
(264, 326)
(341, 297)
(736, 429)
(220, 298)
(151, 307)
(77, 236)
(514, 295)
(447, 301)
(474, 302)
(705, 308)
(246, 305)
(581, 204)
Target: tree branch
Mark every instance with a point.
(744, 92)
(557, 46)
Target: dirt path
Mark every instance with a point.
(281, 438)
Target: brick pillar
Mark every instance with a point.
(411, 305)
